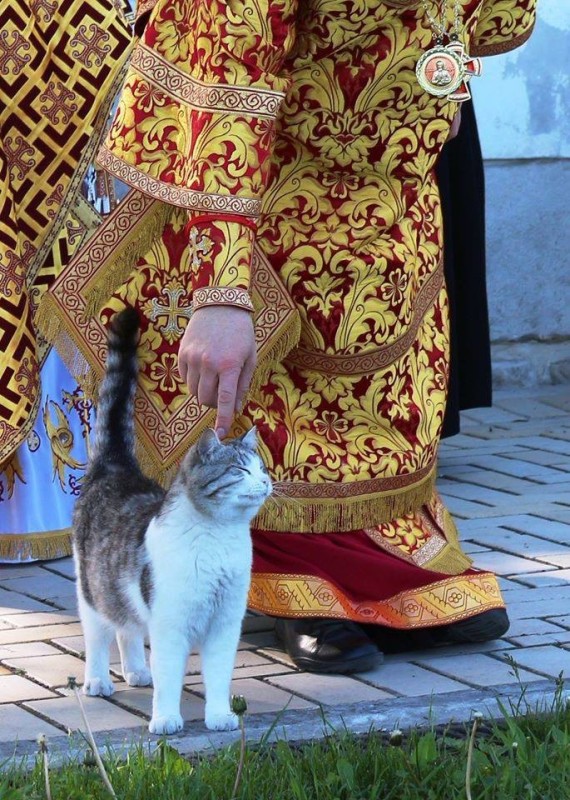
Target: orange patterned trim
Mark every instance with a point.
(440, 603)
(196, 94)
(500, 47)
(175, 195)
(221, 296)
(366, 363)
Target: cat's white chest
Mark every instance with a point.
(199, 570)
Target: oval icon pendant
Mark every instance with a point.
(440, 71)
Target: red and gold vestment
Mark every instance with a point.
(285, 152)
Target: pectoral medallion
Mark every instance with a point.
(444, 71)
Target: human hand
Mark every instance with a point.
(216, 359)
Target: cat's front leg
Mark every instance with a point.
(133, 660)
(218, 659)
(169, 653)
(98, 634)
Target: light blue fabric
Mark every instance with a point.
(52, 463)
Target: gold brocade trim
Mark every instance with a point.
(72, 194)
(35, 546)
(419, 557)
(80, 338)
(175, 195)
(326, 507)
(500, 47)
(440, 553)
(366, 363)
(123, 238)
(199, 95)
(444, 602)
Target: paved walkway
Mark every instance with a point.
(506, 478)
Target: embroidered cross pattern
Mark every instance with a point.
(46, 6)
(18, 157)
(172, 310)
(95, 46)
(11, 60)
(198, 246)
(61, 100)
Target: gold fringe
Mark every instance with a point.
(108, 278)
(287, 514)
(276, 351)
(449, 561)
(134, 245)
(21, 547)
(50, 326)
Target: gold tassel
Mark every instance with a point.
(349, 514)
(134, 245)
(35, 546)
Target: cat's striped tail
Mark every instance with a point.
(114, 428)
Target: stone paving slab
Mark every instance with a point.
(507, 479)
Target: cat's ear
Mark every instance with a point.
(207, 443)
(249, 439)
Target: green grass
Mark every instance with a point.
(525, 756)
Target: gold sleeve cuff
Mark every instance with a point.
(221, 296)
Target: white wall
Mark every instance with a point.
(523, 97)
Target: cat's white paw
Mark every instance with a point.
(141, 677)
(222, 722)
(98, 687)
(162, 725)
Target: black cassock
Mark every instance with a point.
(462, 186)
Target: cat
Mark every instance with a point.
(174, 564)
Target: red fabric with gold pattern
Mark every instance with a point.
(309, 120)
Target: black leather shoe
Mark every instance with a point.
(327, 645)
(480, 628)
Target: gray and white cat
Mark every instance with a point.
(174, 564)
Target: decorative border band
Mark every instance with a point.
(196, 94)
(322, 492)
(221, 296)
(174, 195)
(446, 601)
(343, 507)
(365, 363)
